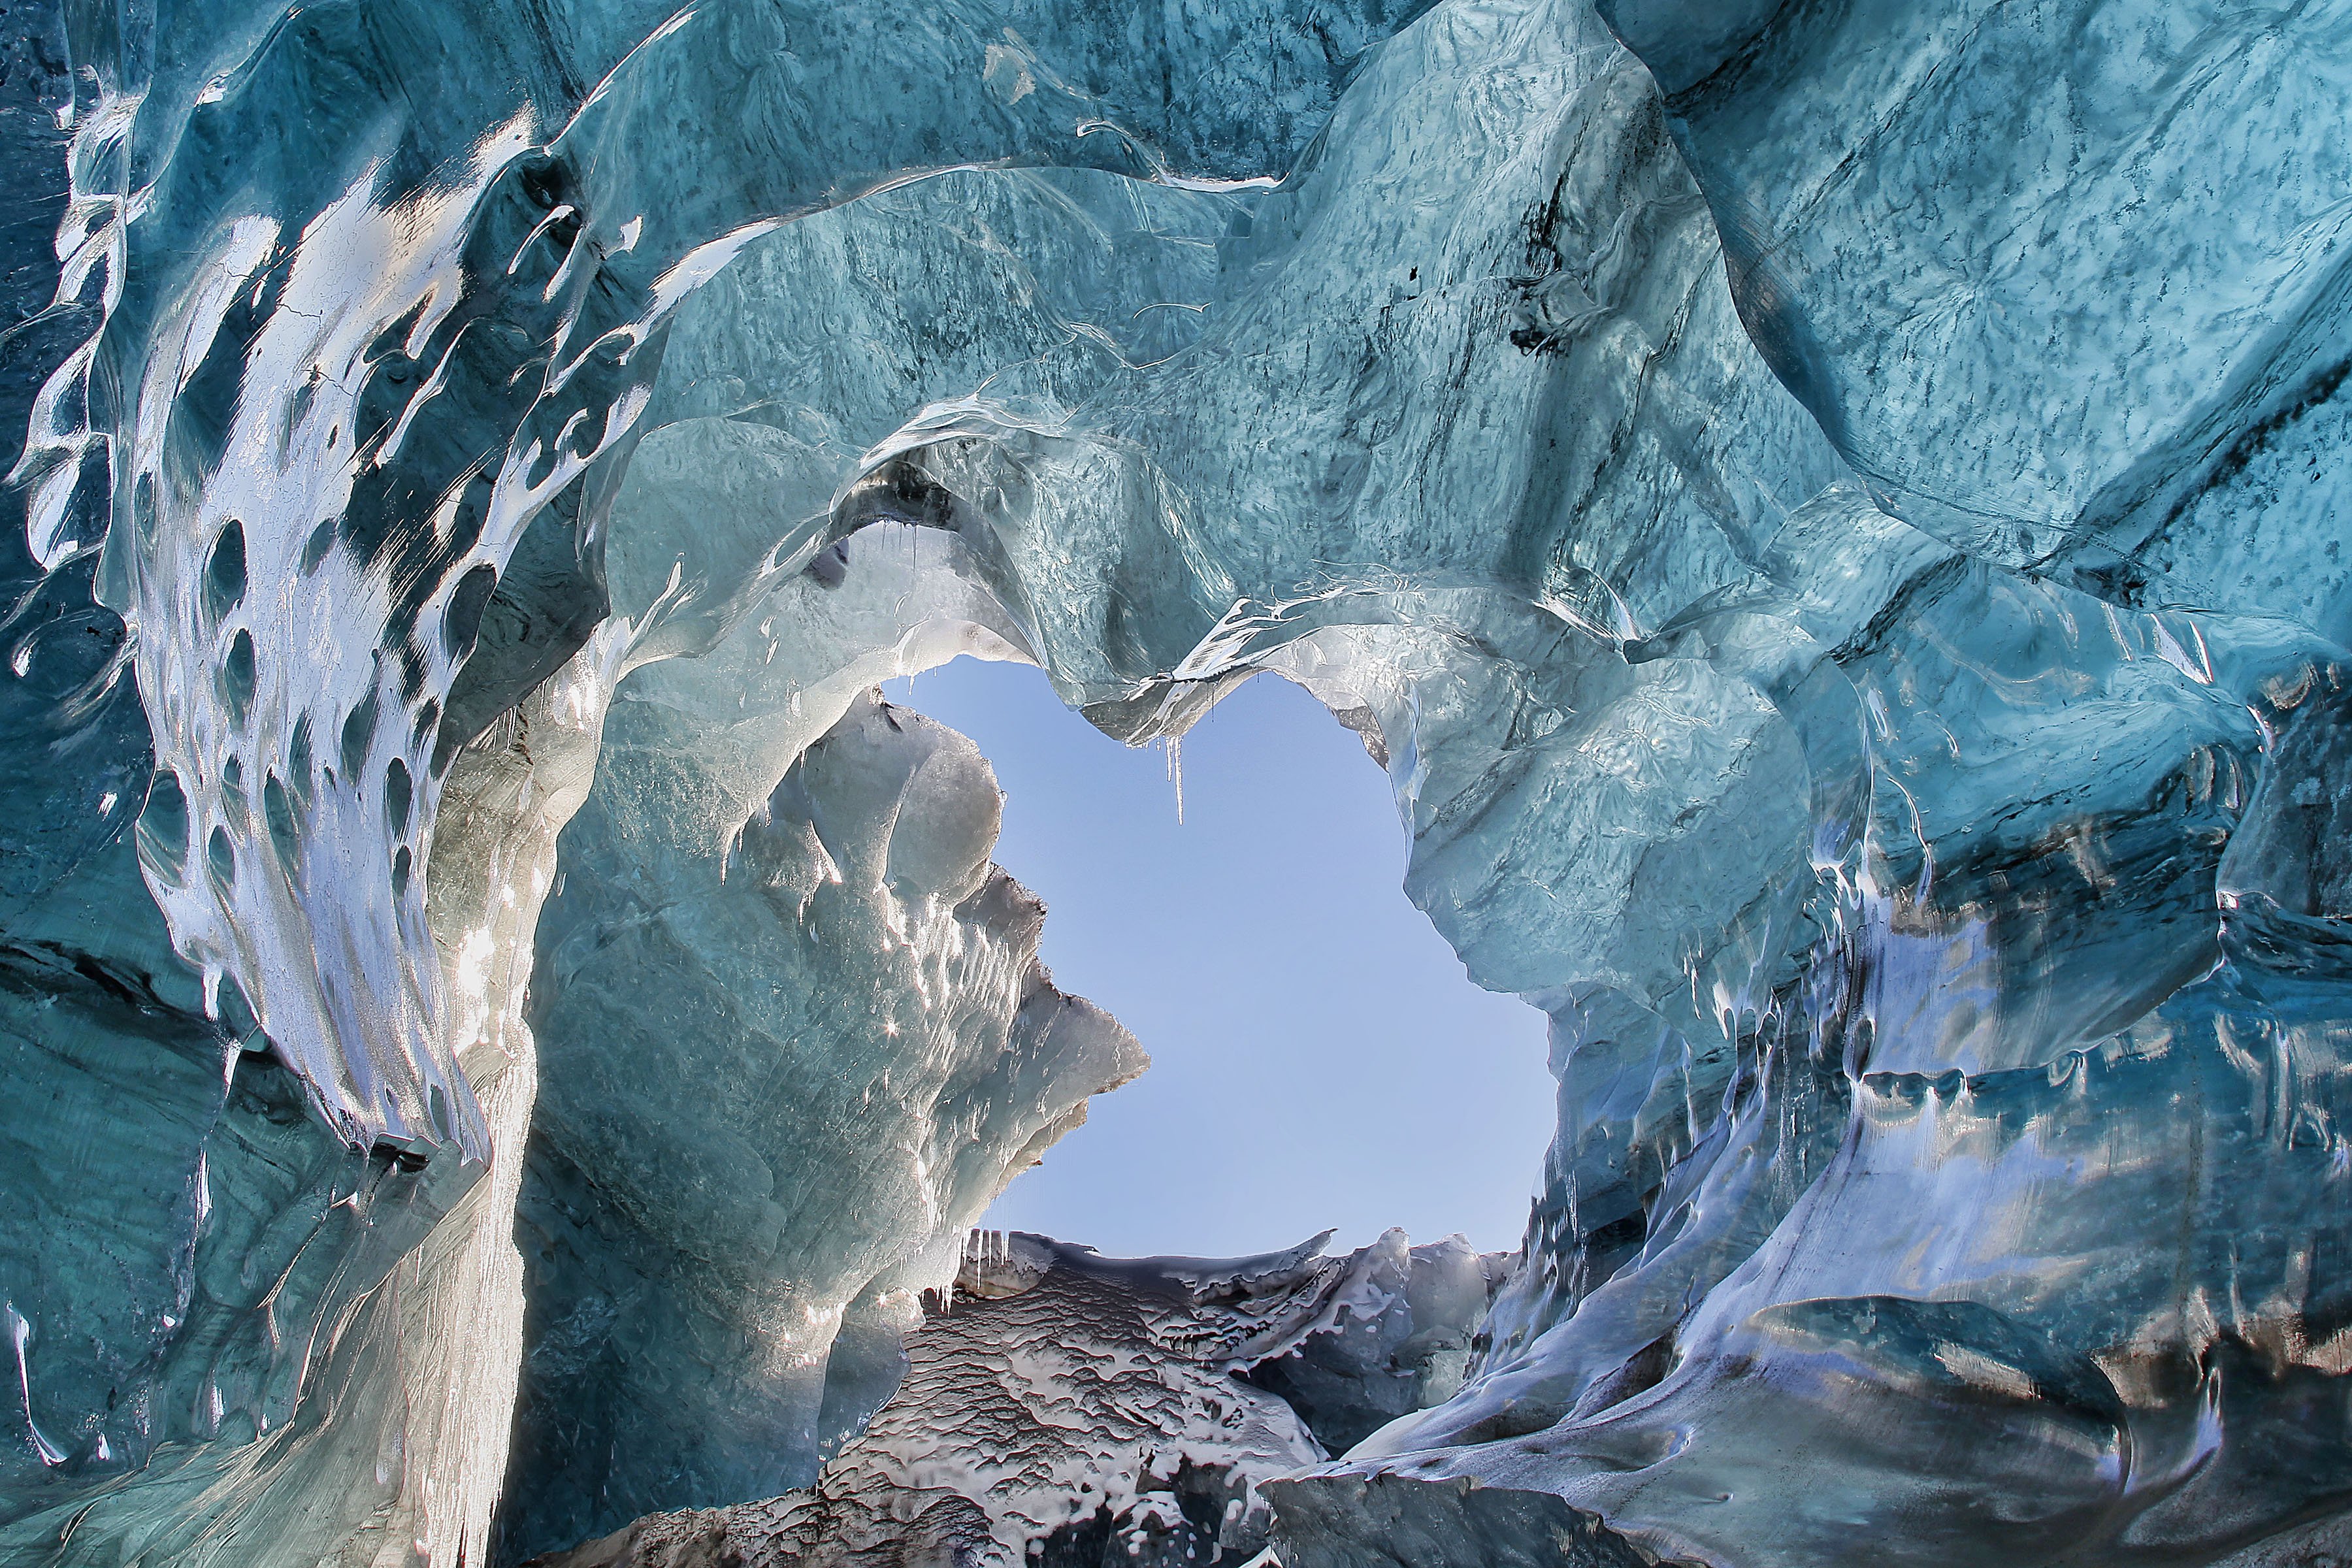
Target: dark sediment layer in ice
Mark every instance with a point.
(1063, 1409)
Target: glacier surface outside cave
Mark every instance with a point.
(1063, 1409)
(1828, 515)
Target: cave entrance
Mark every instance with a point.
(1319, 1058)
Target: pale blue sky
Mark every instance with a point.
(1319, 1056)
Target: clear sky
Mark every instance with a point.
(1319, 1056)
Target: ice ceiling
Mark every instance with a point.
(1828, 515)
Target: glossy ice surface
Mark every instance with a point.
(1827, 516)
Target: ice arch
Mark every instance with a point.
(1855, 619)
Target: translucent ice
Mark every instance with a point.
(857, 989)
(1828, 516)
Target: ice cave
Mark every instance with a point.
(1822, 509)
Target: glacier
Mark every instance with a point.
(1063, 1409)
(1826, 516)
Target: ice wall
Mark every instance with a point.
(854, 989)
(1827, 516)
(358, 389)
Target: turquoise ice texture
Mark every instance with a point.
(1827, 515)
